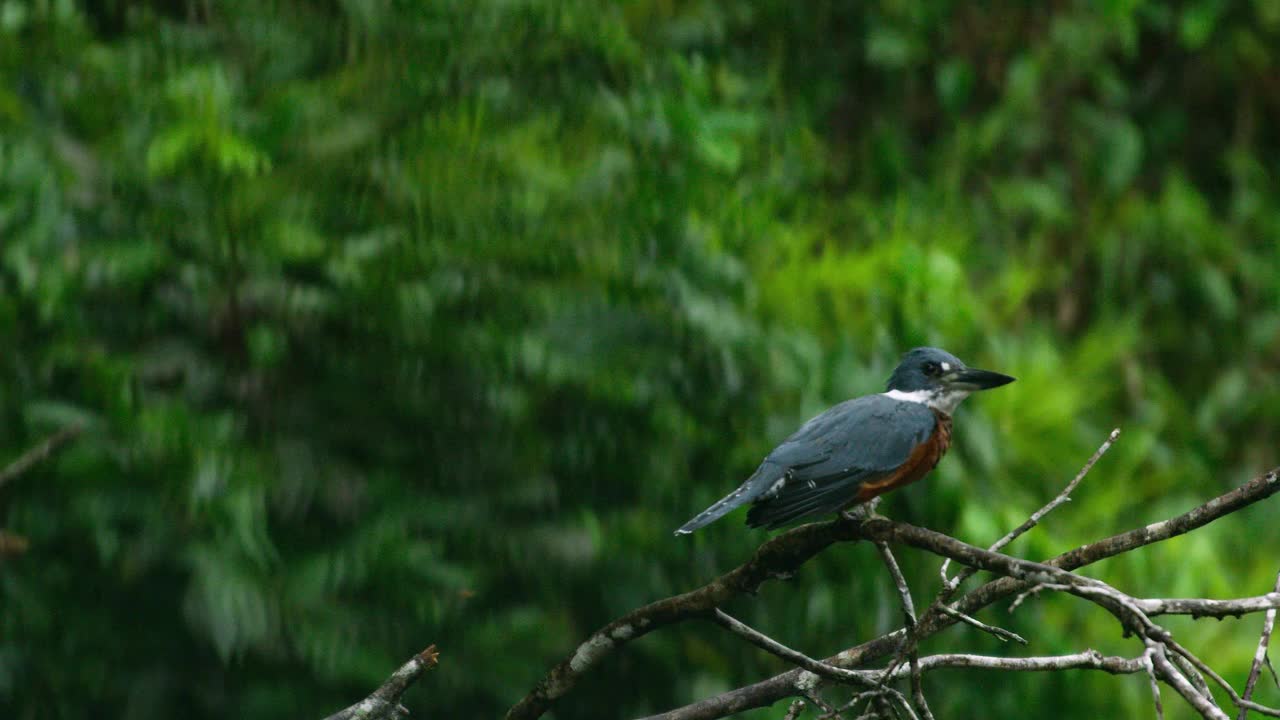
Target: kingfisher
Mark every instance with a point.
(860, 448)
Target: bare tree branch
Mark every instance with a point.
(40, 453)
(768, 691)
(794, 711)
(1259, 656)
(1259, 488)
(884, 530)
(384, 703)
(1189, 670)
(11, 544)
(1201, 607)
(779, 556)
(1087, 660)
(1024, 595)
(1129, 611)
(782, 554)
(795, 657)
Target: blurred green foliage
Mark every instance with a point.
(397, 323)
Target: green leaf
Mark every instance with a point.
(955, 83)
(1198, 21)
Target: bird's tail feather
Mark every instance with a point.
(762, 479)
(722, 507)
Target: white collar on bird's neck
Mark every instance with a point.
(942, 399)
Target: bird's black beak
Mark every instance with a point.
(974, 379)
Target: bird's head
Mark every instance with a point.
(939, 379)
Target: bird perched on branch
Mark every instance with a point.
(861, 447)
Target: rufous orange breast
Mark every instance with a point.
(918, 464)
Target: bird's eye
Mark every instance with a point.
(932, 368)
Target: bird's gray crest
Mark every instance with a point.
(910, 375)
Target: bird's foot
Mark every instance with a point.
(861, 512)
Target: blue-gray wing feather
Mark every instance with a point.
(875, 433)
(832, 455)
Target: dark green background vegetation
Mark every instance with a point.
(396, 323)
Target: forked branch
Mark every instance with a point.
(767, 692)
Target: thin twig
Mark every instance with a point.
(1000, 633)
(11, 544)
(1260, 655)
(794, 710)
(1062, 497)
(818, 669)
(1155, 684)
(950, 585)
(1038, 515)
(866, 696)
(1189, 670)
(41, 452)
(823, 705)
(882, 702)
(1213, 675)
(909, 612)
(795, 657)
(1022, 596)
(1168, 673)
